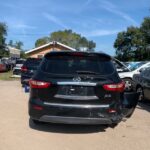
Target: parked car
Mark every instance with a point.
(79, 88)
(130, 64)
(17, 68)
(3, 66)
(135, 69)
(142, 84)
(19, 63)
(6, 61)
(16, 72)
(127, 63)
(120, 66)
(28, 69)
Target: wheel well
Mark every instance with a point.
(127, 78)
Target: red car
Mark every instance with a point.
(2, 67)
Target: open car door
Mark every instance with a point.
(129, 104)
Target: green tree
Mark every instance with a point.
(134, 43)
(3, 33)
(23, 55)
(10, 43)
(130, 44)
(145, 29)
(18, 45)
(123, 45)
(42, 41)
(68, 37)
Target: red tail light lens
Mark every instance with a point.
(112, 111)
(115, 87)
(39, 84)
(24, 69)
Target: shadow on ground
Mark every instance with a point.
(68, 129)
(145, 105)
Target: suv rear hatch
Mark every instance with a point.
(79, 78)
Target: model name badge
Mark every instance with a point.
(107, 95)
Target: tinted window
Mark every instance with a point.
(135, 66)
(19, 61)
(73, 64)
(32, 62)
(146, 73)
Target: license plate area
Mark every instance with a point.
(76, 90)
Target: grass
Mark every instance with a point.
(6, 76)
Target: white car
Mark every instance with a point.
(134, 69)
(17, 68)
(19, 63)
(16, 72)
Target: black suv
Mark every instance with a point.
(28, 69)
(79, 88)
(142, 84)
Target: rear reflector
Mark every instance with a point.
(111, 110)
(119, 87)
(39, 84)
(37, 107)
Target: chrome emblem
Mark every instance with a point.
(77, 79)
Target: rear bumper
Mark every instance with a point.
(73, 114)
(74, 120)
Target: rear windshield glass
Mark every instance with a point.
(74, 65)
(135, 66)
(33, 62)
(19, 61)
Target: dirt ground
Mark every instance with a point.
(18, 133)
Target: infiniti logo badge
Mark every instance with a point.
(76, 79)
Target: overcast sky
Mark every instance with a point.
(98, 20)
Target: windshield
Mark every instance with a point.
(19, 61)
(135, 66)
(75, 65)
(32, 62)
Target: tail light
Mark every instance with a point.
(39, 84)
(119, 87)
(24, 69)
(112, 111)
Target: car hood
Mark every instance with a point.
(126, 74)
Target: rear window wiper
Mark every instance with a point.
(87, 72)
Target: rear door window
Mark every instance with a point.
(73, 65)
(147, 73)
(32, 62)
